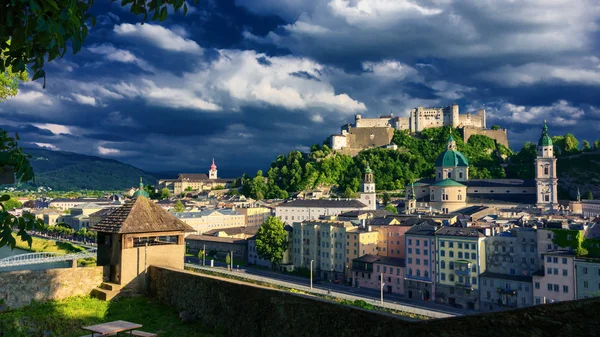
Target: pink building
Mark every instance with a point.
(395, 242)
(368, 270)
(556, 282)
(420, 260)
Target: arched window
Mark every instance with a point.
(449, 175)
(443, 264)
(460, 175)
(439, 175)
(426, 274)
(418, 273)
(460, 197)
(546, 171)
(451, 265)
(409, 271)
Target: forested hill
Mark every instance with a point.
(393, 169)
(69, 171)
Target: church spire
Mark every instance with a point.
(578, 195)
(141, 184)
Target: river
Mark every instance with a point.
(6, 252)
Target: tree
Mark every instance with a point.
(189, 188)
(495, 127)
(386, 198)
(165, 193)
(228, 260)
(588, 195)
(586, 146)
(9, 80)
(597, 145)
(200, 253)
(12, 203)
(391, 208)
(178, 206)
(15, 164)
(271, 240)
(348, 193)
(43, 30)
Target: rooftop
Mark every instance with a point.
(518, 278)
(140, 215)
(422, 229)
(447, 183)
(390, 261)
(210, 238)
(459, 231)
(206, 212)
(327, 203)
(234, 231)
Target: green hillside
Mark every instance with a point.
(71, 171)
(393, 169)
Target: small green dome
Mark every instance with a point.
(545, 140)
(451, 158)
(141, 191)
(368, 169)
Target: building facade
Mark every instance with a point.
(368, 271)
(587, 275)
(194, 182)
(360, 240)
(555, 282)
(545, 173)
(302, 210)
(460, 260)
(207, 220)
(254, 216)
(420, 257)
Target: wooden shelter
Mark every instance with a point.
(136, 235)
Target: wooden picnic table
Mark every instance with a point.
(112, 328)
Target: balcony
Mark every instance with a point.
(504, 291)
(463, 272)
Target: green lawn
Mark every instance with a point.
(44, 245)
(65, 318)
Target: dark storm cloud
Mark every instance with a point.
(243, 81)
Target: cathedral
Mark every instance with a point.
(452, 190)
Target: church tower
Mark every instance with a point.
(368, 195)
(411, 200)
(212, 174)
(545, 173)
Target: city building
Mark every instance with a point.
(210, 219)
(285, 264)
(368, 270)
(302, 210)
(96, 217)
(555, 282)
(452, 190)
(360, 240)
(194, 182)
(587, 275)
(324, 243)
(511, 261)
(79, 215)
(136, 235)
(217, 247)
(460, 256)
(420, 257)
(64, 204)
(254, 216)
(590, 208)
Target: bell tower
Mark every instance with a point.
(368, 195)
(545, 173)
(212, 173)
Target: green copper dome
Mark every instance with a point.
(451, 158)
(368, 169)
(545, 140)
(141, 191)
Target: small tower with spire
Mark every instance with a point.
(545, 172)
(578, 195)
(368, 195)
(212, 173)
(411, 200)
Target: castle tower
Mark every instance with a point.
(368, 195)
(455, 117)
(212, 174)
(545, 173)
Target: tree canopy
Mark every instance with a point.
(272, 240)
(178, 206)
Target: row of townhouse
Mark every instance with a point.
(466, 267)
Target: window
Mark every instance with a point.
(473, 256)
(512, 271)
(410, 250)
(546, 170)
(377, 268)
(425, 242)
(451, 244)
(443, 265)
(585, 284)
(473, 246)
(460, 175)
(426, 274)
(537, 285)
(409, 271)
(418, 272)
(442, 253)
(488, 295)
(451, 265)
(565, 273)
(556, 287)
(417, 242)
(410, 260)
(564, 260)
(442, 244)
(549, 271)
(460, 255)
(443, 276)
(418, 251)
(418, 262)
(565, 289)
(425, 252)
(426, 262)
(460, 245)
(548, 259)
(538, 300)
(549, 286)
(451, 254)
(474, 268)
(555, 259)
(473, 280)
(451, 277)
(555, 271)
(410, 241)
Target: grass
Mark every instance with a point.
(44, 245)
(65, 318)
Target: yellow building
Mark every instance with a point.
(207, 220)
(359, 241)
(460, 255)
(254, 216)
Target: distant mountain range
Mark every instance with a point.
(72, 171)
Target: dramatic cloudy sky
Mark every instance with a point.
(245, 80)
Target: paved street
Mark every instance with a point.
(369, 295)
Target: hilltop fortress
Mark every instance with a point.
(367, 133)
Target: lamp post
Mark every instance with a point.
(311, 263)
(382, 284)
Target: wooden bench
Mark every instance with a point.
(139, 333)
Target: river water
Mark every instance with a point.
(6, 252)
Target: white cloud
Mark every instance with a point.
(108, 151)
(238, 78)
(31, 98)
(119, 55)
(47, 146)
(87, 100)
(561, 113)
(160, 36)
(378, 13)
(390, 69)
(117, 118)
(317, 118)
(533, 73)
(56, 129)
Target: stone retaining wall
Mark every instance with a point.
(19, 288)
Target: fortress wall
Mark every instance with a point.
(361, 137)
(402, 123)
(373, 122)
(498, 135)
(474, 120)
(241, 309)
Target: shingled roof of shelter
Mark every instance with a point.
(140, 215)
